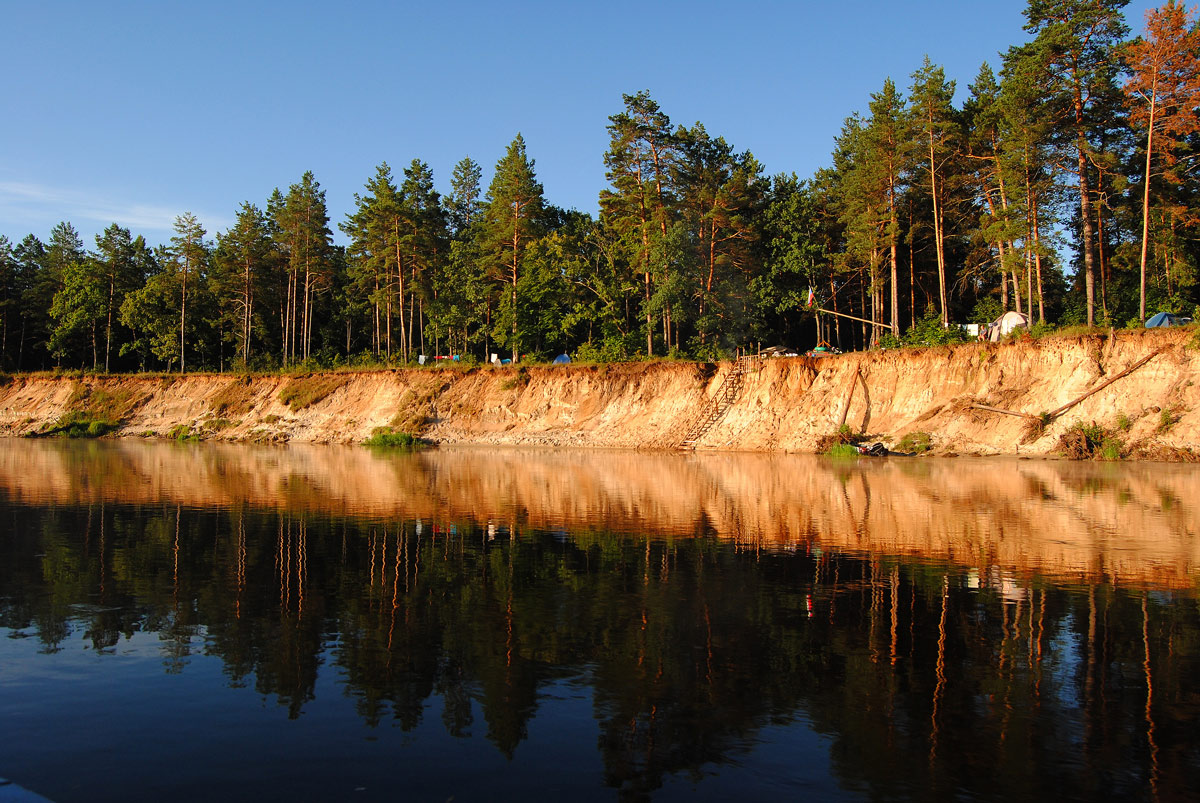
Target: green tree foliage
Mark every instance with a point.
(463, 204)
(935, 121)
(513, 220)
(376, 229)
(305, 240)
(1163, 91)
(1076, 43)
(639, 161)
(425, 244)
(1037, 194)
(162, 312)
(721, 196)
(35, 288)
(242, 265)
(65, 281)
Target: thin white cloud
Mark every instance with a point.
(41, 207)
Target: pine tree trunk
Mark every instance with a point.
(894, 259)
(1146, 207)
(937, 226)
(112, 291)
(1085, 208)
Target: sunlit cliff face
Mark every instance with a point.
(1132, 524)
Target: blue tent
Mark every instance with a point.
(562, 359)
(1167, 319)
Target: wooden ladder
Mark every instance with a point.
(719, 404)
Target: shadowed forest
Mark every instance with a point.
(1063, 183)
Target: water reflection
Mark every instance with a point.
(948, 629)
(1132, 524)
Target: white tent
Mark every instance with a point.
(1005, 324)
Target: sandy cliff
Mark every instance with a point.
(784, 404)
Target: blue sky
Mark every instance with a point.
(137, 112)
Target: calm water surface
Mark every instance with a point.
(315, 623)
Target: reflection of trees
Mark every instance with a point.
(922, 677)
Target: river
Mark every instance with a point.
(194, 621)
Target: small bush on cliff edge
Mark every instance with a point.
(843, 437)
(1089, 442)
(915, 442)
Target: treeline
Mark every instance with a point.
(1082, 147)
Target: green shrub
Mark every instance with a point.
(916, 442)
(843, 450)
(1090, 442)
(1123, 422)
(987, 309)
(928, 331)
(386, 437)
(889, 341)
(182, 433)
(1167, 418)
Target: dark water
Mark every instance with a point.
(195, 623)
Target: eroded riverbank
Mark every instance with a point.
(781, 404)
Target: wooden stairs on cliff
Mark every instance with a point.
(719, 404)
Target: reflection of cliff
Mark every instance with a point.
(1133, 523)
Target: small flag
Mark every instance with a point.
(811, 298)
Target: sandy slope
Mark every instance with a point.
(785, 404)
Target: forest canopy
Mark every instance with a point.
(1062, 184)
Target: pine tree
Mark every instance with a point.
(860, 188)
(10, 299)
(513, 220)
(934, 117)
(425, 242)
(120, 260)
(889, 137)
(35, 290)
(1163, 91)
(241, 267)
(462, 204)
(641, 153)
(187, 259)
(376, 253)
(304, 234)
(73, 296)
(1076, 43)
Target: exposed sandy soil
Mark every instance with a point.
(786, 404)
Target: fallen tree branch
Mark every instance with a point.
(1046, 418)
(1005, 412)
(1056, 413)
(849, 398)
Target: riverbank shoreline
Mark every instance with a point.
(1138, 388)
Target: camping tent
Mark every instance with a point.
(1167, 319)
(561, 359)
(1004, 325)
